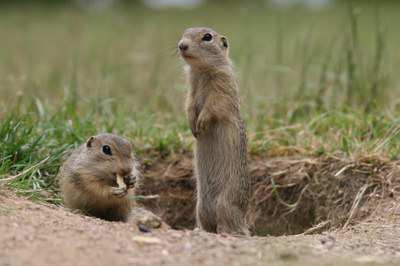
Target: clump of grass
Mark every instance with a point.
(349, 133)
(35, 141)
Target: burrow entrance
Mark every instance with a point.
(290, 195)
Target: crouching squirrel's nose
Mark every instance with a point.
(130, 180)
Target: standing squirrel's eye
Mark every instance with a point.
(207, 37)
(106, 150)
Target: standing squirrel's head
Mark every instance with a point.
(109, 158)
(203, 47)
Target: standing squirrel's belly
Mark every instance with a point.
(218, 157)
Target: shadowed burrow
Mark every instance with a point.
(290, 195)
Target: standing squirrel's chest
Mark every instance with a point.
(198, 103)
(199, 94)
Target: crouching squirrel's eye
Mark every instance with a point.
(106, 150)
(207, 37)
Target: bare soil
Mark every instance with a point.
(315, 211)
(36, 234)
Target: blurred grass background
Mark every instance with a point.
(313, 82)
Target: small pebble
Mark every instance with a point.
(146, 240)
(165, 252)
(143, 228)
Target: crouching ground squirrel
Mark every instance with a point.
(96, 177)
(212, 107)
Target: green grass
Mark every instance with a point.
(312, 83)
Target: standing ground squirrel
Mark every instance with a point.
(96, 177)
(212, 107)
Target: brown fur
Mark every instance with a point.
(88, 178)
(212, 106)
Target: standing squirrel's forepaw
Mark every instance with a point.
(201, 126)
(194, 132)
(119, 192)
(192, 126)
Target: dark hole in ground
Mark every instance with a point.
(290, 195)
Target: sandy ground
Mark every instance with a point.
(37, 234)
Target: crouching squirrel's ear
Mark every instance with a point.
(89, 142)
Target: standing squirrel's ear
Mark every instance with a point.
(224, 41)
(89, 142)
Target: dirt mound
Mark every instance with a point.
(290, 195)
(45, 234)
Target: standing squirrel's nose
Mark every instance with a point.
(183, 46)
